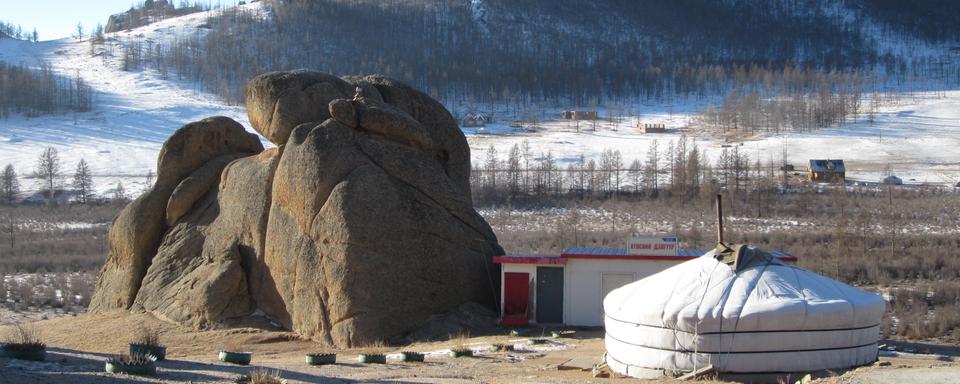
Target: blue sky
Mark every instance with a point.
(58, 18)
(55, 19)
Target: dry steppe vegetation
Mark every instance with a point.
(898, 241)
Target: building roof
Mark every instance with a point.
(529, 259)
(612, 254)
(827, 165)
(624, 254)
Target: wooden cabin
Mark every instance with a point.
(579, 115)
(826, 170)
(653, 128)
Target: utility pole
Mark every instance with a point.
(719, 219)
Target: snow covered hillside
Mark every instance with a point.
(134, 113)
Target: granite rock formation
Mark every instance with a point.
(357, 227)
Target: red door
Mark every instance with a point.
(516, 297)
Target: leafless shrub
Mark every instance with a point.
(25, 294)
(81, 288)
(945, 322)
(945, 294)
(923, 313)
(46, 296)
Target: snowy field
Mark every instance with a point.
(918, 138)
(665, 221)
(135, 112)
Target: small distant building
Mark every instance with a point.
(892, 180)
(827, 170)
(475, 120)
(150, 11)
(653, 128)
(579, 115)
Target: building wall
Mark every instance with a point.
(827, 176)
(523, 268)
(583, 285)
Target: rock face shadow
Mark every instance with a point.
(358, 227)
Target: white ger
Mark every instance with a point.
(742, 310)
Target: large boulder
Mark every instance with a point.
(358, 227)
(387, 240)
(137, 231)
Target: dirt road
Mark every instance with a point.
(78, 348)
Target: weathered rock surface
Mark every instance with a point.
(359, 227)
(207, 270)
(137, 230)
(279, 101)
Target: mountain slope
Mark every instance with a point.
(578, 52)
(134, 112)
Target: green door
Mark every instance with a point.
(549, 295)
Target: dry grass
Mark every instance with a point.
(924, 312)
(24, 336)
(40, 242)
(378, 347)
(233, 346)
(146, 335)
(261, 376)
(40, 291)
(459, 342)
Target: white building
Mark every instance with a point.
(569, 288)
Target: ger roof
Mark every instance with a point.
(529, 259)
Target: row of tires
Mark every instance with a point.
(159, 353)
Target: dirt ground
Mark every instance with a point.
(79, 346)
